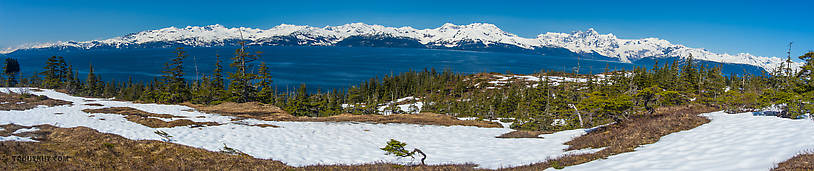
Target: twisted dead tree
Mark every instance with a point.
(423, 156)
(397, 148)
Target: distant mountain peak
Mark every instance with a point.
(447, 35)
(591, 31)
(449, 26)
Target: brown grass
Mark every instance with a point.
(10, 101)
(94, 104)
(802, 161)
(272, 113)
(158, 123)
(143, 118)
(87, 149)
(422, 119)
(129, 111)
(231, 108)
(626, 136)
(524, 134)
(387, 166)
(10, 128)
(266, 125)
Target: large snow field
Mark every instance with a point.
(728, 142)
(305, 143)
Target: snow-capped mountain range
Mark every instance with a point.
(476, 36)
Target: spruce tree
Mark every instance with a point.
(690, 76)
(266, 93)
(63, 70)
(70, 83)
(202, 93)
(51, 73)
(109, 89)
(240, 87)
(299, 104)
(806, 73)
(217, 86)
(175, 88)
(150, 92)
(11, 69)
(91, 83)
(804, 88)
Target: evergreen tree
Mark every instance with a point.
(801, 103)
(91, 83)
(52, 73)
(64, 70)
(647, 97)
(202, 93)
(109, 89)
(240, 85)
(71, 83)
(11, 69)
(689, 75)
(150, 92)
(266, 93)
(217, 86)
(175, 88)
(806, 73)
(299, 105)
(2, 80)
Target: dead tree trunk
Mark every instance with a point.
(423, 156)
(578, 115)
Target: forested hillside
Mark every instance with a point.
(541, 101)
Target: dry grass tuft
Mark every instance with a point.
(231, 108)
(10, 128)
(645, 129)
(82, 148)
(144, 118)
(387, 166)
(129, 111)
(15, 101)
(158, 123)
(422, 119)
(524, 134)
(626, 136)
(94, 104)
(802, 161)
(266, 125)
(272, 113)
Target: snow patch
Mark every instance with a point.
(23, 130)
(308, 143)
(729, 142)
(16, 138)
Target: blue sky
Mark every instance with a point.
(758, 27)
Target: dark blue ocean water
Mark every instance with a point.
(318, 67)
